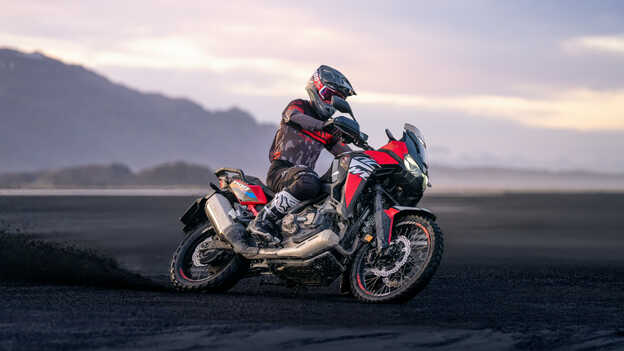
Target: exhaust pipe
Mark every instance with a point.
(320, 242)
(218, 211)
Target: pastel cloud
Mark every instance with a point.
(571, 109)
(579, 109)
(269, 49)
(601, 43)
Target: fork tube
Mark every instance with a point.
(382, 242)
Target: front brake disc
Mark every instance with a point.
(405, 250)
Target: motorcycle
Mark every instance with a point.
(364, 226)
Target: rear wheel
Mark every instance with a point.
(403, 269)
(203, 262)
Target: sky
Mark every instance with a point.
(530, 84)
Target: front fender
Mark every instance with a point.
(388, 218)
(415, 210)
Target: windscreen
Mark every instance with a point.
(417, 147)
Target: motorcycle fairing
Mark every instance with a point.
(399, 148)
(381, 157)
(339, 171)
(248, 194)
(361, 166)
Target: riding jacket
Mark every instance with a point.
(300, 138)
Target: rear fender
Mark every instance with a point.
(196, 213)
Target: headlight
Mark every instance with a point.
(412, 166)
(415, 170)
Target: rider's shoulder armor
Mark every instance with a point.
(298, 106)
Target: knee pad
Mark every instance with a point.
(305, 186)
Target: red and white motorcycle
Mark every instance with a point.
(365, 225)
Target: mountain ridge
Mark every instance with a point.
(114, 175)
(59, 115)
(184, 174)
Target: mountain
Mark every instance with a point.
(114, 175)
(176, 173)
(58, 115)
(183, 174)
(62, 117)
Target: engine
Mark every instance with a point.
(299, 226)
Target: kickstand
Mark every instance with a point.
(345, 285)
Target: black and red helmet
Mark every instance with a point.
(323, 85)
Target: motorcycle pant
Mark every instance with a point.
(299, 181)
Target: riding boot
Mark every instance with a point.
(265, 223)
(238, 238)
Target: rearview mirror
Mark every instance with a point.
(341, 104)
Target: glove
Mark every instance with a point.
(329, 127)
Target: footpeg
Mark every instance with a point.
(266, 237)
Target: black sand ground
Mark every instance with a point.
(522, 271)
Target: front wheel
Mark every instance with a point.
(403, 269)
(203, 262)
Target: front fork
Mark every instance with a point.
(382, 221)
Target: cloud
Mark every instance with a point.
(606, 43)
(573, 109)
(164, 52)
(270, 49)
(579, 109)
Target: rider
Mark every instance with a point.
(297, 146)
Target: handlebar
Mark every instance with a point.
(358, 139)
(363, 144)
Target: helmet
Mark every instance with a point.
(323, 85)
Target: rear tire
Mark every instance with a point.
(218, 276)
(367, 287)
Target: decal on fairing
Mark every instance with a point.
(360, 168)
(248, 194)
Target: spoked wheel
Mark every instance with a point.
(203, 262)
(403, 269)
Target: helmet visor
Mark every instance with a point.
(326, 94)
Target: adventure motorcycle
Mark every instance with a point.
(363, 226)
